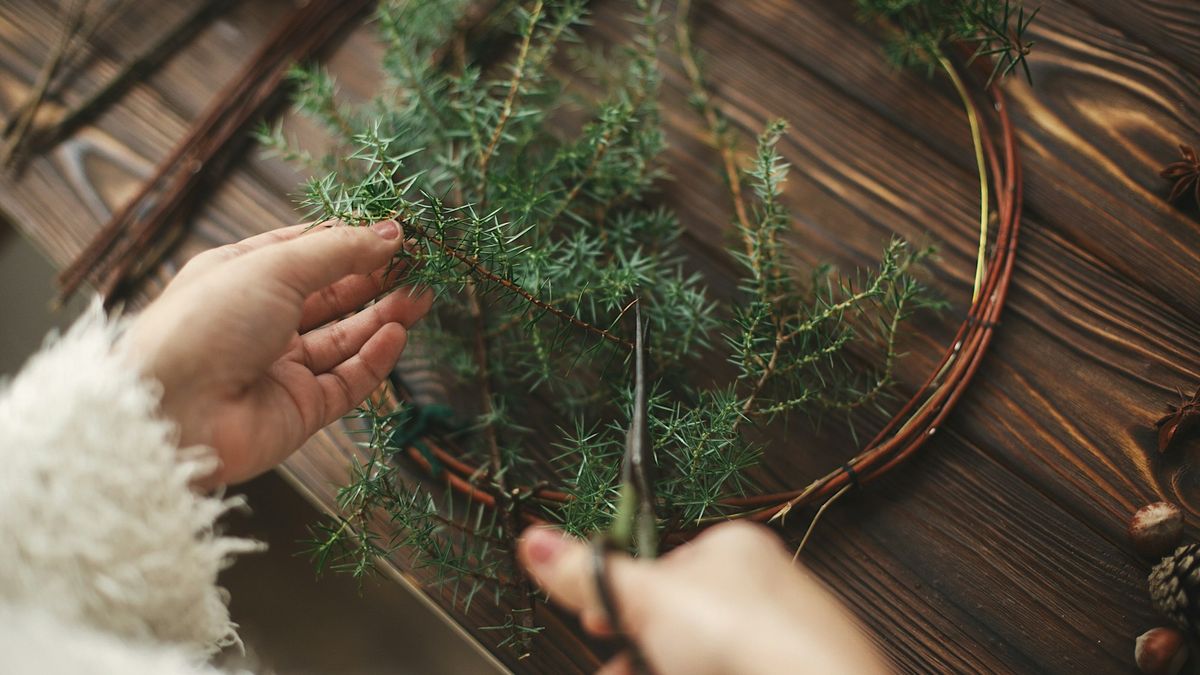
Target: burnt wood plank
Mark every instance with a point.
(1001, 548)
(1110, 460)
(1169, 27)
(868, 164)
(1104, 115)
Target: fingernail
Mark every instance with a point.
(388, 229)
(544, 545)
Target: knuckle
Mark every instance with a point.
(211, 257)
(340, 339)
(346, 235)
(331, 296)
(339, 400)
(742, 536)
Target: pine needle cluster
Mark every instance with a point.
(995, 29)
(537, 232)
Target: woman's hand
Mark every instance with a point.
(732, 601)
(251, 347)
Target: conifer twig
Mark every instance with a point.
(476, 268)
(718, 137)
(597, 157)
(788, 341)
(919, 419)
(514, 87)
(602, 145)
(505, 500)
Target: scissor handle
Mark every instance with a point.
(602, 547)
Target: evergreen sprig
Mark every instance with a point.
(997, 29)
(537, 239)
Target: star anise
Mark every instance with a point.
(1186, 174)
(1180, 421)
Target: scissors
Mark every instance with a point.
(635, 525)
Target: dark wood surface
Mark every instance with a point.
(1002, 547)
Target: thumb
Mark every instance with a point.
(309, 263)
(562, 566)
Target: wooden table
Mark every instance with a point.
(1003, 546)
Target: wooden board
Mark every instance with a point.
(1002, 547)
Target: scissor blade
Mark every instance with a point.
(637, 470)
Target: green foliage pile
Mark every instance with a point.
(537, 233)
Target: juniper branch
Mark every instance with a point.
(518, 73)
(537, 218)
(718, 135)
(476, 268)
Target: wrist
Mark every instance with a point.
(148, 352)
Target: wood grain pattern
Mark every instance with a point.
(1001, 548)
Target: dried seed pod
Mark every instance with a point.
(1181, 420)
(1175, 587)
(1161, 651)
(1156, 529)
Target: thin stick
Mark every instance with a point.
(717, 139)
(816, 517)
(976, 140)
(144, 63)
(87, 28)
(19, 125)
(116, 250)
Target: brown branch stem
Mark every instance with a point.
(514, 86)
(17, 127)
(120, 247)
(505, 500)
(717, 138)
(144, 63)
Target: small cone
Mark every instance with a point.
(1175, 587)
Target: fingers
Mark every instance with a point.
(620, 664)
(562, 566)
(346, 295)
(206, 260)
(330, 345)
(304, 265)
(349, 383)
(340, 298)
(595, 622)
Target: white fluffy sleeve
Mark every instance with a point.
(98, 527)
(32, 641)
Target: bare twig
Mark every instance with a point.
(505, 500)
(117, 250)
(718, 136)
(141, 65)
(18, 125)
